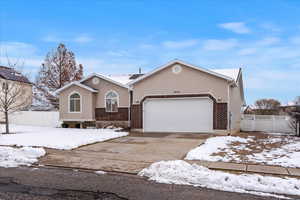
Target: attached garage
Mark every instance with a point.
(189, 114)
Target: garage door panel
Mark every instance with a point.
(178, 115)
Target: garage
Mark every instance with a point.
(178, 115)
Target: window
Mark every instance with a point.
(111, 102)
(75, 103)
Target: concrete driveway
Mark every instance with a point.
(127, 154)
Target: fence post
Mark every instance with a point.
(298, 128)
(253, 123)
(273, 123)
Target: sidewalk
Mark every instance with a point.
(240, 167)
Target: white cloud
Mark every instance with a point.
(146, 46)
(117, 53)
(247, 51)
(83, 39)
(219, 45)
(267, 80)
(180, 44)
(76, 39)
(270, 27)
(16, 49)
(236, 27)
(51, 38)
(269, 41)
(295, 40)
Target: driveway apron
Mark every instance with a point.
(127, 154)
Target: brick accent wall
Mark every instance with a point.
(102, 115)
(136, 116)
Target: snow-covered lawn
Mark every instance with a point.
(57, 138)
(13, 157)
(181, 172)
(212, 146)
(271, 149)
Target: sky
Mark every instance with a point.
(118, 37)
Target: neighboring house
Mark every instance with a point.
(11, 75)
(176, 97)
(287, 109)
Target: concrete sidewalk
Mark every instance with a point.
(250, 168)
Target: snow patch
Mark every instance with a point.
(40, 100)
(13, 157)
(287, 156)
(181, 172)
(100, 172)
(57, 138)
(120, 78)
(232, 73)
(215, 145)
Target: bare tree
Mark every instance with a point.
(297, 100)
(267, 106)
(58, 69)
(295, 120)
(14, 96)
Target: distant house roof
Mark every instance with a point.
(120, 78)
(11, 74)
(135, 76)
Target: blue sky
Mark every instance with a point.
(115, 37)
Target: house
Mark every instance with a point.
(11, 76)
(176, 97)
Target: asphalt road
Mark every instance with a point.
(56, 183)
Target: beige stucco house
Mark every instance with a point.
(12, 77)
(176, 97)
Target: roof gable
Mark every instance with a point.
(211, 72)
(114, 80)
(77, 84)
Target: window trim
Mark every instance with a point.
(118, 99)
(69, 102)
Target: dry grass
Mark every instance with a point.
(239, 152)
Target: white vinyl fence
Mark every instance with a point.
(266, 123)
(35, 118)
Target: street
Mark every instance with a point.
(57, 183)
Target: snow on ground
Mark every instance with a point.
(287, 156)
(282, 150)
(181, 172)
(40, 100)
(14, 157)
(100, 172)
(215, 145)
(57, 138)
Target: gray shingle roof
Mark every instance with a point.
(11, 74)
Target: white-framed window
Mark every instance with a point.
(111, 101)
(75, 102)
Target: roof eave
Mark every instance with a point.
(183, 63)
(105, 78)
(77, 84)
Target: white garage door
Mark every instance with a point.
(178, 115)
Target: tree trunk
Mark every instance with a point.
(6, 123)
(298, 128)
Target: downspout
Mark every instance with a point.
(129, 107)
(229, 115)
